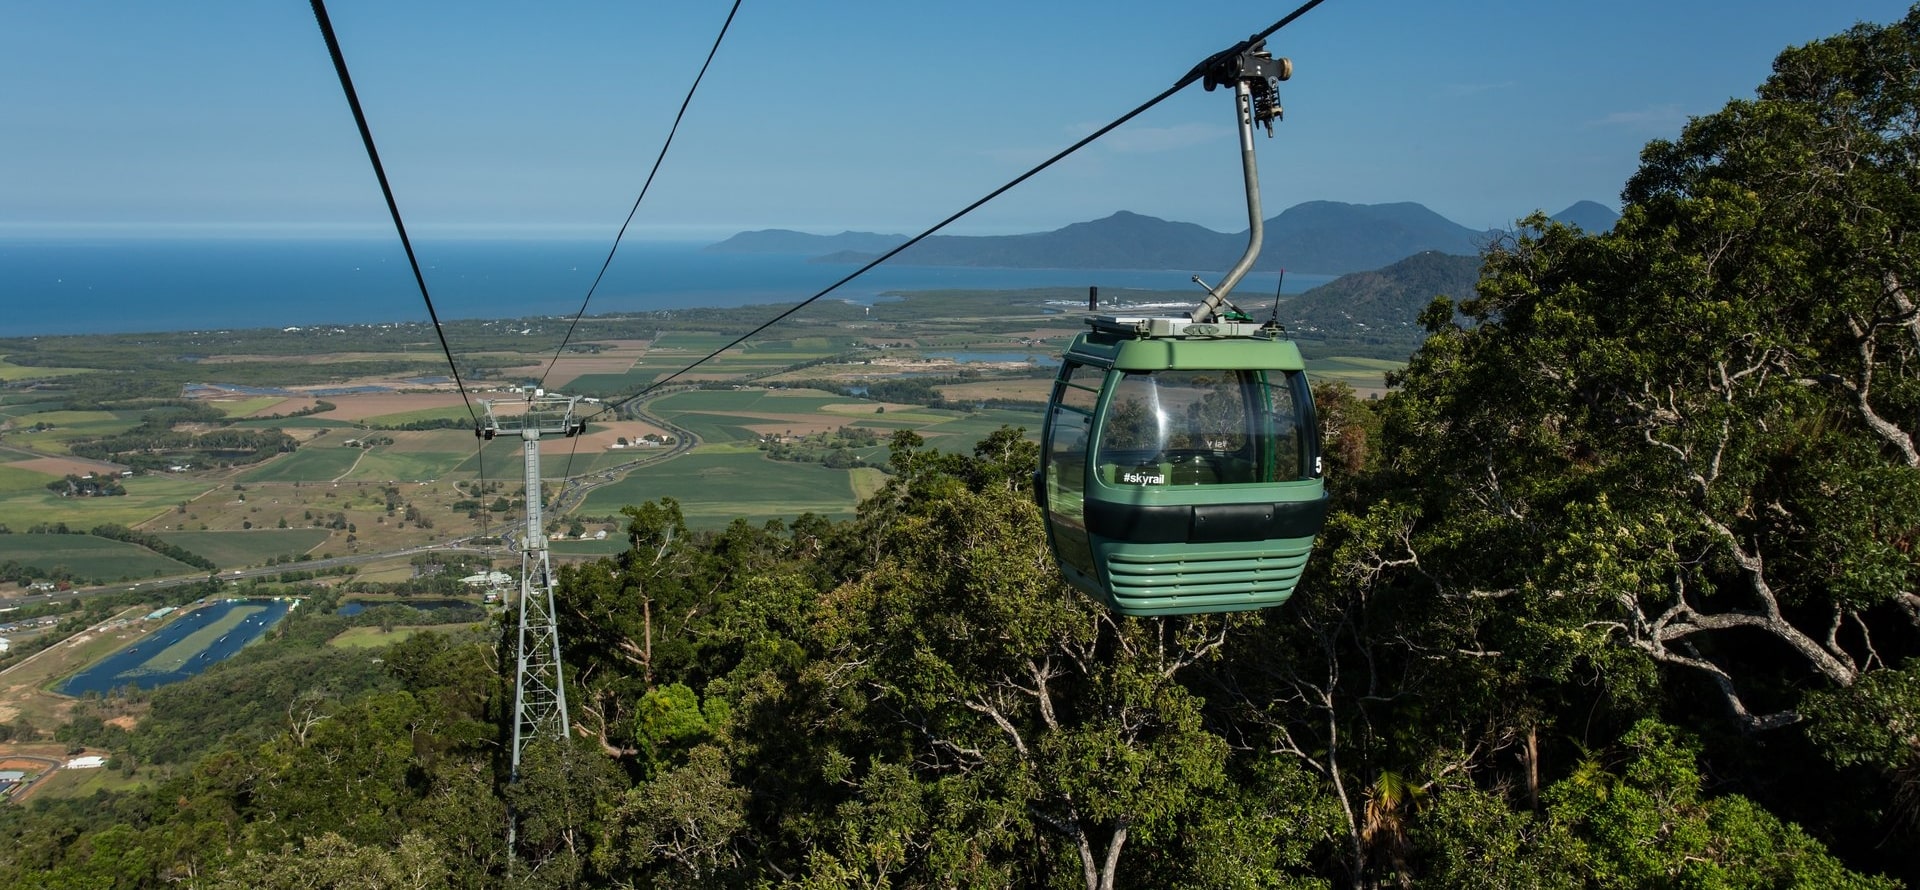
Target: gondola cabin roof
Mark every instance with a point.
(1156, 344)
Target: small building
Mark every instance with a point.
(488, 579)
(6, 645)
(91, 761)
(43, 586)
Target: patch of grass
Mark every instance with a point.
(717, 428)
(146, 497)
(431, 441)
(69, 426)
(309, 422)
(606, 383)
(245, 407)
(451, 412)
(957, 433)
(1350, 361)
(690, 341)
(375, 638)
(714, 489)
(21, 478)
(613, 545)
(866, 481)
(321, 460)
(88, 557)
(238, 549)
(82, 783)
(10, 371)
(500, 459)
(384, 465)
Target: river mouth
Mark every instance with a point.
(188, 645)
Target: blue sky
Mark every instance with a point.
(519, 119)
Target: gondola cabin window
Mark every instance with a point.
(1069, 430)
(1214, 427)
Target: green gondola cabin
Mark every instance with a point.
(1180, 471)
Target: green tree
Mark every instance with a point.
(1673, 466)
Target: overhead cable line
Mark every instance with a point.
(399, 225)
(643, 189)
(1199, 71)
(380, 172)
(567, 473)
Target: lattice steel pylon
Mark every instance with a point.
(539, 690)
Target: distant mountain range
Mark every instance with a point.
(1317, 237)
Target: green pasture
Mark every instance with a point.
(321, 460)
(613, 545)
(689, 341)
(431, 441)
(248, 406)
(1353, 370)
(451, 412)
(306, 422)
(803, 346)
(69, 426)
(239, 549)
(146, 497)
(10, 371)
(866, 481)
(81, 784)
(717, 428)
(611, 383)
(88, 557)
(500, 459)
(714, 489)
(375, 638)
(384, 465)
(20, 478)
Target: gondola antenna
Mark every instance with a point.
(1278, 288)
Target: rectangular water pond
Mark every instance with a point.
(192, 643)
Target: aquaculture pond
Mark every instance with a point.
(190, 644)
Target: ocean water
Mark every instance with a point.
(74, 286)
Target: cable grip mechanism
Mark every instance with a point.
(1260, 71)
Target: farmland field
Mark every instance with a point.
(452, 412)
(88, 557)
(309, 422)
(321, 460)
(238, 549)
(383, 464)
(1368, 375)
(146, 497)
(11, 371)
(13, 477)
(244, 407)
(717, 428)
(614, 544)
(713, 489)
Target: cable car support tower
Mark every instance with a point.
(539, 693)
